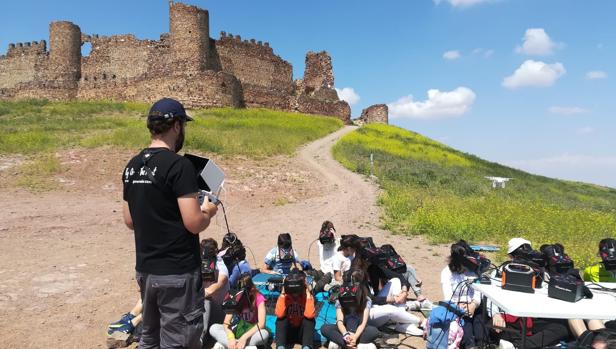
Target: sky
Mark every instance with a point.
(526, 83)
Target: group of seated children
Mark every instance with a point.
(370, 287)
(370, 294)
(469, 330)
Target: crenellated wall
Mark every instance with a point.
(184, 63)
(22, 63)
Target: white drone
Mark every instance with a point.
(498, 182)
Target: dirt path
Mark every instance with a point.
(67, 261)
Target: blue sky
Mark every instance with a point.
(527, 83)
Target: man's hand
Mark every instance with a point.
(209, 208)
(233, 344)
(498, 322)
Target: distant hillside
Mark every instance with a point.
(432, 189)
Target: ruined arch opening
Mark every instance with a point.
(86, 48)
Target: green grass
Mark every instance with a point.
(434, 190)
(30, 127)
(37, 175)
(35, 128)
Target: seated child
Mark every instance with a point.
(280, 259)
(352, 314)
(244, 325)
(295, 312)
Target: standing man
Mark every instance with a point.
(160, 205)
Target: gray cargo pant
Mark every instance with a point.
(172, 310)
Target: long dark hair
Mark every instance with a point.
(209, 248)
(245, 283)
(458, 252)
(360, 263)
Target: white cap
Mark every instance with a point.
(515, 243)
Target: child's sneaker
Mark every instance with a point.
(122, 325)
(426, 305)
(333, 345)
(218, 346)
(413, 305)
(366, 346)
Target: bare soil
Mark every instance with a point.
(67, 260)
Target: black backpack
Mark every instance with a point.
(394, 260)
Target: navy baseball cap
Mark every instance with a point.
(168, 108)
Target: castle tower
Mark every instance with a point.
(64, 53)
(189, 31)
(318, 73)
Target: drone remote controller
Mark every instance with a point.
(211, 197)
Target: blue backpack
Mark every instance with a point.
(439, 321)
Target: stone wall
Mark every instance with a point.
(339, 109)
(378, 113)
(185, 64)
(319, 72)
(267, 79)
(22, 63)
(118, 57)
(204, 89)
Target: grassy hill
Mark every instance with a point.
(30, 127)
(435, 190)
(37, 129)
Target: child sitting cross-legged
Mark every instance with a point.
(352, 314)
(295, 312)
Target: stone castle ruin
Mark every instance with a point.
(185, 64)
(378, 113)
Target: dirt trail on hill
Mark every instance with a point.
(67, 260)
(343, 197)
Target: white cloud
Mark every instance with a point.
(596, 75)
(348, 95)
(567, 110)
(586, 168)
(537, 42)
(440, 104)
(585, 130)
(462, 3)
(451, 55)
(534, 73)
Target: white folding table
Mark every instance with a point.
(538, 305)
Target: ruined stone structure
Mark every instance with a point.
(378, 113)
(185, 64)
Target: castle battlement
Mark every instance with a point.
(27, 48)
(184, 63)
(252, 44)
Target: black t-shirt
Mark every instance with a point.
(164, 246)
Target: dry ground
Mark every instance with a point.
(67, 260)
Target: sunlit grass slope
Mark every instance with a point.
(432, 189)
(36, 129)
